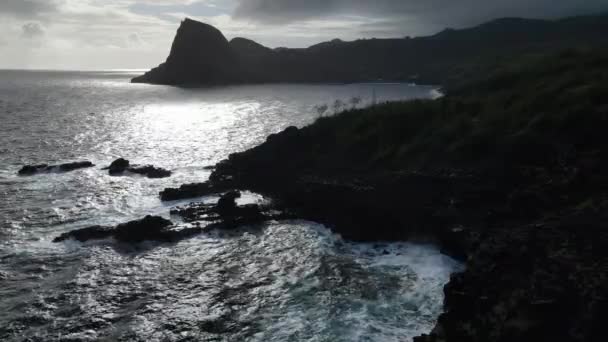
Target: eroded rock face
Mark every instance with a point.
(29, 170)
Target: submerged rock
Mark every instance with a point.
(29, 170)
(121, 165)
(149, 228)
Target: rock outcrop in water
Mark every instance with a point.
(224, 215)
(30, 170)
(151, 228)
(201, 55)
(121, 166)
(188, 191)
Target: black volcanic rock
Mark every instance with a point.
(187, 191)
(225, 215)
(120, 166)
(33, 169)
(86, 234)
(200, 55)
(29, 170)
(150, 228)
(150, 171)
(525, 203)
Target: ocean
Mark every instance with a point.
(284, 281)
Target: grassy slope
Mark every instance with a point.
(535, 110)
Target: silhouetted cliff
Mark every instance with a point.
(201, 54)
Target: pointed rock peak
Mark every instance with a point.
(197, 26)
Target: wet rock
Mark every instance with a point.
(188, 191)
(121, 165)
(86, 234)
(226, 214)
(150, 228)
(29, 170)
(75, 166)
(33, 169)
(150, 171)
(223, 215)
(227, 203)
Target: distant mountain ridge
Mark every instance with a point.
(201, 55)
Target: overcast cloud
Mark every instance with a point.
(98, 34)
(413, 16)
(27, 8)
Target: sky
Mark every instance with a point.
(128, 34)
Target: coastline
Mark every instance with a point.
(525, 211)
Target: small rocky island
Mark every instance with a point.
(121, 166)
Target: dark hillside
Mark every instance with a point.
(507, 173)
(443, 58)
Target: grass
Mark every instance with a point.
(530, 111)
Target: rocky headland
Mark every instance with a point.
(201, 55)
(506, 174)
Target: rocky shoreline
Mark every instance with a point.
(507, 175)
(536, 265)
(521, 196)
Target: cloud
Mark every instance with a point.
(32, 30)
(411, 15)
(27, 8)
(93, 34)
(164, 9)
